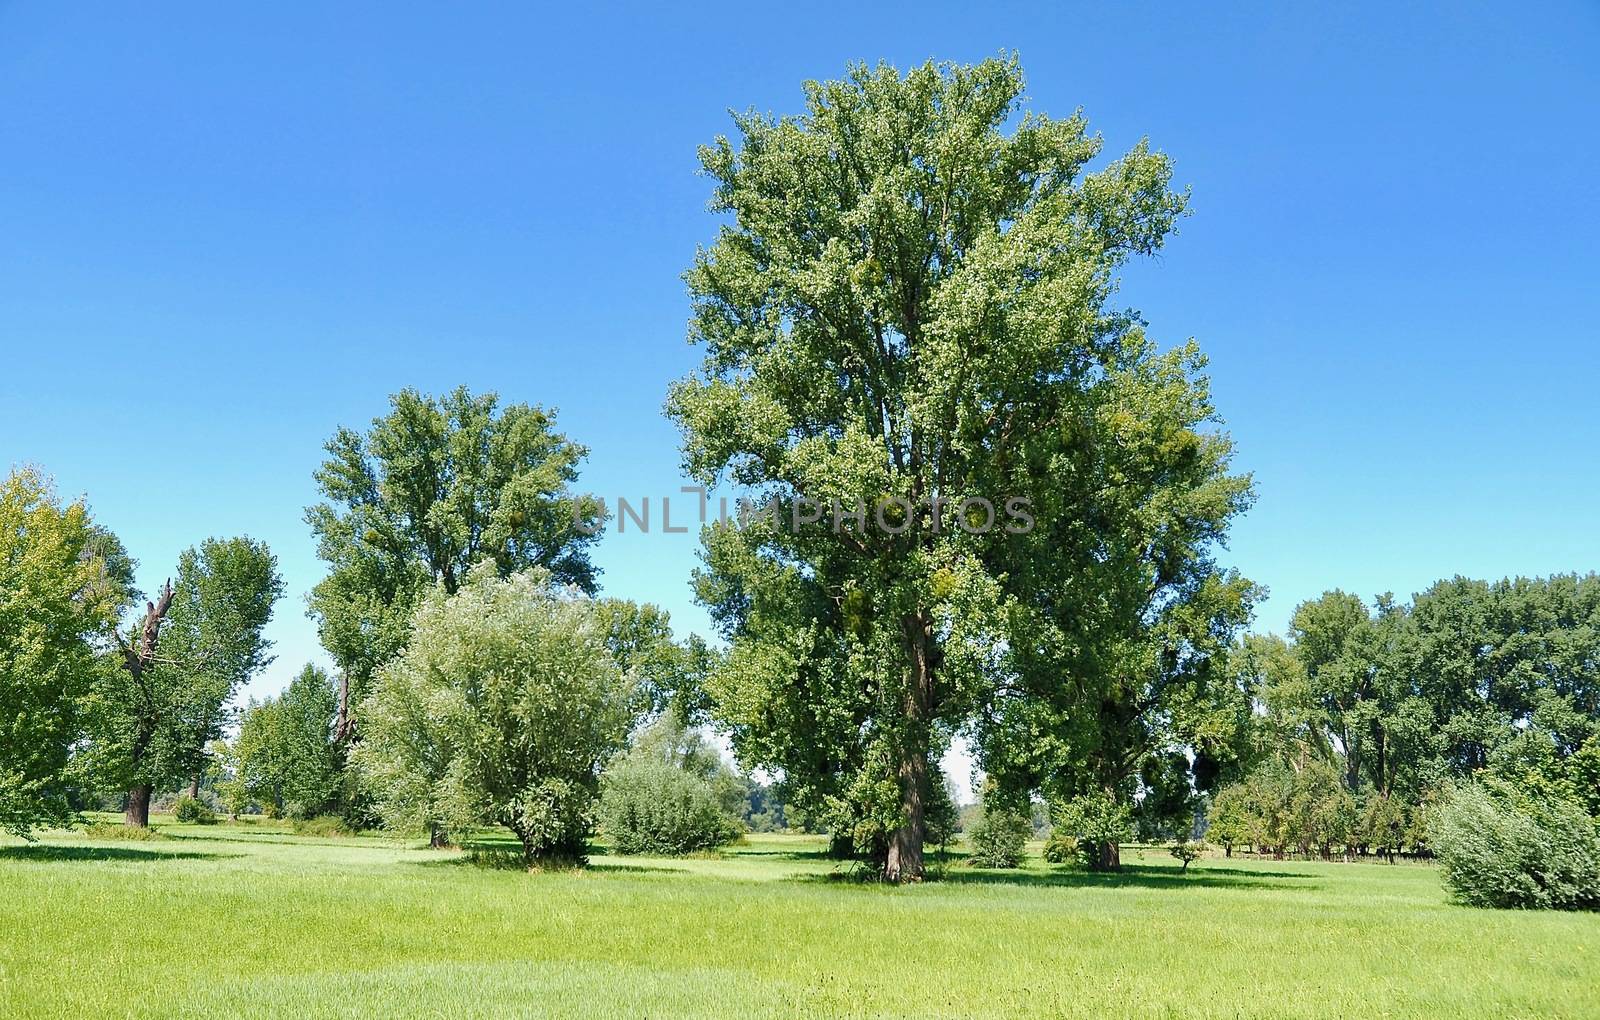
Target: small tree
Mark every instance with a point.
(1100, 824)
(652, 806)
(501, 710)
(1229, 821)
(1186, 852)
(1384, 823)
(671, 793)
(1000, 838)
(286, 750)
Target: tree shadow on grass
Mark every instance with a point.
(1131, 876)
(52, 852)
(466, 861)
(749, 852)
(1136, 876)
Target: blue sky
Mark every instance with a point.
(225, 232)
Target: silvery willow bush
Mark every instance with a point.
(1501, 846)
(651, 805)
(501, 710)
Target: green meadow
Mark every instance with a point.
(251, 920)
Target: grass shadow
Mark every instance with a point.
(1136, 876)
(737, 851)
(1131, 876)
(52, 852)
(465, 861)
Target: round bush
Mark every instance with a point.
(652, 806)
(1060, 848)
(1501, 847)
(188, 809)
(999, 839)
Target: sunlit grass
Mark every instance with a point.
(250, 920)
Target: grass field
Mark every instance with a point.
(247, 920)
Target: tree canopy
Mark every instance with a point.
(434, 487)
(59, 599)
(163, 694)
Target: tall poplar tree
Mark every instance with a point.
(909, 306)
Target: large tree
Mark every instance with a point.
(59, 599)
(1116, 681)
(432, 488)
(163, 694)
(909, 307)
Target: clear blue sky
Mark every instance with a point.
(223, 232)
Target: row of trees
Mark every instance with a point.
(87, 703)
(1366, 717)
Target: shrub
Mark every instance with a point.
(116, 830)
(999, 838)
(323, 825)
(501, 709)
(1060, 848)
(195, 812)
(649, 805)
(1499, 846)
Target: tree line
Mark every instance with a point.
(1366, 717)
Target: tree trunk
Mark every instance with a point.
(136, 659)
(1108, 857)
(341, 730)
(904, 862)
(194, 787)
(905, 846)
(138, 812)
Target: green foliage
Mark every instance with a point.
(434, 487)
(1230, 820)
(285, 752)
(193, 811)
(1385, 824)
(59, 595)
(1060, 848)
(1280, 809)
(114, 830)
(150, 722)
(1471, 676)
(671, 793)
(649, 805)
(501, 710)
(1097, 822)
(1503, 847)
(1000, 837)
(913, 297)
